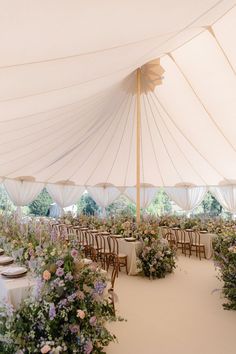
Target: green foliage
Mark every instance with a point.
(5, 202)
(121, 206)
(225, 257)
(87, 205)
(211, 206)
(160, 205)
(41, 205)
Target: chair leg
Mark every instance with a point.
(126, 266)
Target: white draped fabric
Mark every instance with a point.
(68, 103)
(226, 196)
(22, 193)
(104, 196)
(187, 198)
(147, 194)
(65, 195)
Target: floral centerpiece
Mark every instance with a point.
(67, 313)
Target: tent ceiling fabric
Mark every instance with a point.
(67, 103)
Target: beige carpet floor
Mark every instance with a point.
(181, 314)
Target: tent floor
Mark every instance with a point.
(180, 314)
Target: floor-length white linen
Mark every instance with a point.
(147, 194)
(226, 196)
(22, 193)
(187, 198)
(65, 195)
(15, 290)
(132, 250)
(104, 196)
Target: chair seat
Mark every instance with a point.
(122, 255)
(198, 244)
(184, 242)
(97, 248)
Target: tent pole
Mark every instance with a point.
(138, 140)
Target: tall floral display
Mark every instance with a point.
(66, 313)
(225, 258)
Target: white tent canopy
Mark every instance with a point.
(67, 103)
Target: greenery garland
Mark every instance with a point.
(225, 258)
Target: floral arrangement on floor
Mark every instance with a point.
(156, 258)
(67, 312)
(225, 258)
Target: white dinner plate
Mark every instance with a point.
(130, 239)
(14, 272)
(6, 260)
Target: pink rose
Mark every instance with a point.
(74, 253)
(46, 276)
(81, 314)
(46, 348)
(93, 321)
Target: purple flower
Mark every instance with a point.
(59, 263)
(52, 311)
(93, 321)
(74, 328)
(69, 276)
(53, 235)
(9, 309)
(31, 252)
(99, 287)
(74, 253)
(88, 347)
(72, 297)
(38, 287)
(63, 303)
(60, 272)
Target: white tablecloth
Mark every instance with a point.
(206, 240)
(15, 290)
(131, 249)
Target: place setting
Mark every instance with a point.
(13, 272)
